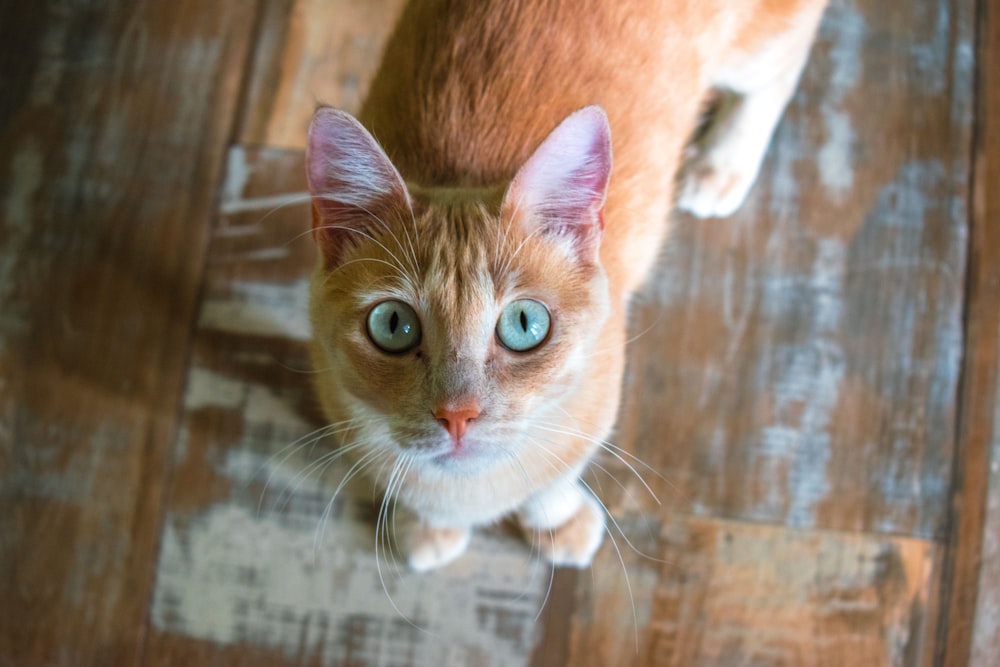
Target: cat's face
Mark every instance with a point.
(456, 315)
(454, 325)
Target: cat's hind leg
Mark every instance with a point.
(718, 179)
(565, 523)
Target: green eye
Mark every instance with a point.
(394, 326)
(524, 325)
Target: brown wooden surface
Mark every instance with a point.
(114, 122)
(973, 575)
(310, 52)
(814, 379)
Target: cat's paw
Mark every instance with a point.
(574, 542)
(428, 547)
(715, 186)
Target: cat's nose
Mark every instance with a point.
(456, 420)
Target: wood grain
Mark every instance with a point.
(112, 125)
(798, 363)
(732, 593)
(971, 578)
(312, 51)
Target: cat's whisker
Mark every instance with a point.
(536, 551)
(412, 255)
(316, 466)
(614, 543)
(610, 516)
(614, 348)
(607, 447)
(292, 200)
(506, 232)
(298, 445)
(402, 268)
(610, 446)
(393, 541)
(380, 519)
(354, 470)
(517, 251)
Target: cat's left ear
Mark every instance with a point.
(562, 186)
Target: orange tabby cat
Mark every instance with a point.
(476, 262)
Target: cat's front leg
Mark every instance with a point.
(564, 522)
(429, 547)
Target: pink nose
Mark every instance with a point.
(456, 421)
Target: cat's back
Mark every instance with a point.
(467, 90)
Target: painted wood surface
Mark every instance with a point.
(820, 407)
(113, 123)
(974, 593)
(310, 52)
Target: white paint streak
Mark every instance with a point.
(836, 164)
(847, 30)
(208, 389)
(229, 576)
(264, 406)
(238, 172)
(797, 446)
(261, 309)
(923, 193)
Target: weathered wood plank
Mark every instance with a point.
(113, 121)
(312, 51)
(733, 593)
(971, 578)
(250, 571)
(798, 362)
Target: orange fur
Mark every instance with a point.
(466, 93)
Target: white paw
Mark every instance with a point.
(428, 548)
(575, 542)
(714, 186)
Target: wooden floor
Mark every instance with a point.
(814, 380)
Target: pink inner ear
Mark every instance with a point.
(563, 185)
(351, 179)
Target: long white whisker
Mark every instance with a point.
(517, 251)
(538, 551)
(607, 447)
(352, 472)
(402, 268)
(611, 516)
(607, 444)
(614, 542)
(324, 461)
(412, 255)
(391, 533)
(380, 526)
(298, 445)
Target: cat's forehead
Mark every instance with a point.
(462, 253)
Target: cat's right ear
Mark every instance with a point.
(352, 182)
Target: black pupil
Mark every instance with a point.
(393, 322)
(524, 322)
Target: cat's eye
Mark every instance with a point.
(524, 325)
(394, 326)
